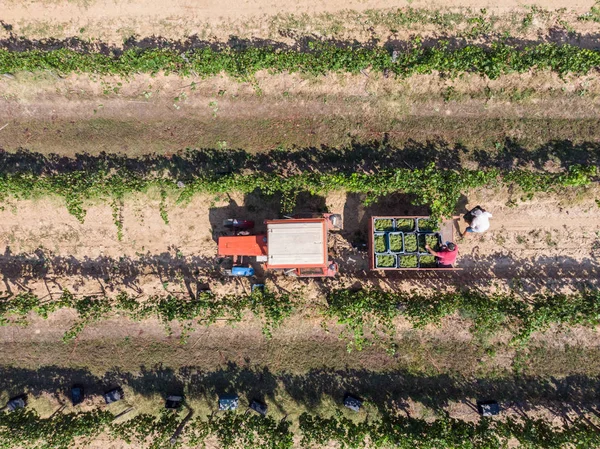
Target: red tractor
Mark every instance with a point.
(296, 245)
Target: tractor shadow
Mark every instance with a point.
(259, 207)
(255, 206)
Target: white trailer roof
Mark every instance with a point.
(296, 243)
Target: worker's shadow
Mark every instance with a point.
(462, 212)
(461, 205)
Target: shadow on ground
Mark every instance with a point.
(110, 273)
(24, 271)
(387, 391)
(303, 42)
(525, 275)
(364, 157)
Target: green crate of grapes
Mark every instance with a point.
(408, 261)
(395, 242)
(385, 261)
(399, 243)
(427, 262)
(410, 243)
(433, 240)
(404, 224)
(384, 224)
(380, 243)
(427, 225)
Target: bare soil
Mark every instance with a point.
(537, 243)
(548, 243)
(166, 114)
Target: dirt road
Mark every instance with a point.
(145, 115)
(538, 244)
(83, 10)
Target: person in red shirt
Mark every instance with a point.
(446, 255)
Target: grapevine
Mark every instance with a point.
(363, 312)
(439, 189)
(27, 430)
(493, 61)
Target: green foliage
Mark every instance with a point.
(443, 432)
(153, 432)
(362, 312)
(567, 310)
(439, 189)
(319, 432)
(26, 430)
(373, 311)
(117, 207)
(529, 182)
(243, 63)
(537, 433)
(162, 206)
(14, 310)
(205, 309)
(250, 430)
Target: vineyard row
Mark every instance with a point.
(367, 315)
(26, 429)
(322, 58)
(436, 188)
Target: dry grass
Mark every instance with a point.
(415, 354)
(363, 21)
(135, 138)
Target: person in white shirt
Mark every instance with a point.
(479, 221)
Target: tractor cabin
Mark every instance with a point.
(298, 246)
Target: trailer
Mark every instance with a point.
(297, 246)
(398, 242)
